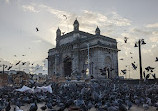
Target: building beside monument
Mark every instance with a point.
(82, 53)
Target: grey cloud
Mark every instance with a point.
(29, 8)
(155, 25)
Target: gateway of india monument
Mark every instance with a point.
(84, 54)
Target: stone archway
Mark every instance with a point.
(108, 65)
(67, 66)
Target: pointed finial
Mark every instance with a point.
(58, 32)
(76, 25)
(97, 31)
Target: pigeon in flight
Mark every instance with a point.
(156, 59)
(149, 69)
(154, 76)
(125, 39)
(65, 16)
(9, 67)
(23, 63)
(23, 55)
(147, 76)
(121, 59)
(37, 29)
(5, 66)
(18, 63)
(134, 66)
(124, 71)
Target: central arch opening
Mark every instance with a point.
(67, 66)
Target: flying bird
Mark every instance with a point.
(23, 55)
(124, 71)
(9, 67)
(154, 76)
(18, 63)
(5, 66)
(147, 76)
(37, 29)
(23, 63)
(149, 69)
(125, 39)
(65, 16)
(134, 66)
(156, 59)
(121, 59)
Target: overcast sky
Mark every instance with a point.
(135, 19)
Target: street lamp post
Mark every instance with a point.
(3, 68)
(138, 44)
(88, 60)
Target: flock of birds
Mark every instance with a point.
(23, 63)
(10, 66)
(149, 69)
(101, 95)
(20, 64)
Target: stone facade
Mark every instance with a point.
(70, 56)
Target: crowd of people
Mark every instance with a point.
(101, 95)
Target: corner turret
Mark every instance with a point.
(97, 31)
(76, 25)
